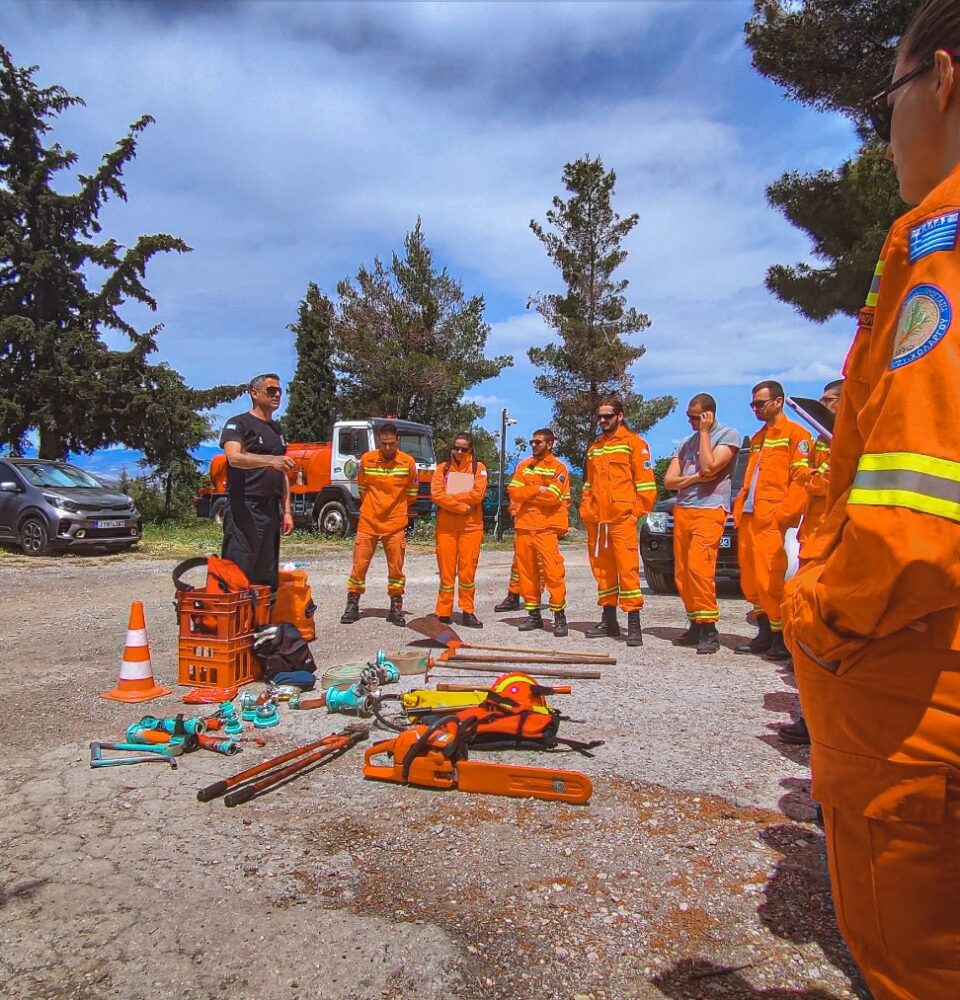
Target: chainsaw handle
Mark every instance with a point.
(382, 772)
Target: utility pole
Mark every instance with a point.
(505, 421)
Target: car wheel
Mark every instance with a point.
(333, 521)
(34, 537)
(219, 512)
(659, 582)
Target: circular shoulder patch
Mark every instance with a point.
(924, 320)
(804, 447)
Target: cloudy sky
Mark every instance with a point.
(295, 141)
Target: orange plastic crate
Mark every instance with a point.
(221, 616)
(216, 662)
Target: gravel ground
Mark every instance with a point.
(695, 871)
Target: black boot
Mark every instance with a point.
(689, 638)
(709, 639)
(560, 624)
(395, 614)
(778, 651)
(762, 641)
(510, 603)
(469, 620)
(533, 622)
(352, 611)
(796, 733)
(634, 634)
(607, 627)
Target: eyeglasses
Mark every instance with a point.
(879, 111)
(537, 441)
(273, 390)
(460, 447)
(759, 404)
(606, 416)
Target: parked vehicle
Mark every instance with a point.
(323, 490)
(656, 538)
(490, 504)
(49, 506)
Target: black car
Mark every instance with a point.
(656, 538)
(45, 506)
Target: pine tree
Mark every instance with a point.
(311, 400)
(57, 375)
(592, 320)
(832, 56)
(409, 343)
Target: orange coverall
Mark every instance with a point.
(816, 481)
(873, 619)
(782, 451)
(618, 487)
(387, 489)
(540, 520)
(459, 533)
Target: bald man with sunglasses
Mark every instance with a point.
(258, 489)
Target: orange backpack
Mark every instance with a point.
(516, 715)
(293, 603)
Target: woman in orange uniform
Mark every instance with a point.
(459, 529)
(873, 617)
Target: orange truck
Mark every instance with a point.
(323, 484)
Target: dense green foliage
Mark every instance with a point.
(832, 56)
(592, 357)
(58, 377)
(311, 401)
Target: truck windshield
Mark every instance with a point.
(418, 446)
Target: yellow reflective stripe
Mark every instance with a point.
(608, 449)
(515, 482)
(553, 488)
(776, 443)
(645, 486)
(403, 471)
(909, 461)
(874, 294)
(921, 502)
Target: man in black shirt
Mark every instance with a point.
(257, 485)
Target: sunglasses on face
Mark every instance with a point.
(606, 416)
(537, 441)
(759, 404)
(461, 447)
(878, 108)
(273, 390)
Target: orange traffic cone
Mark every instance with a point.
(136, 681)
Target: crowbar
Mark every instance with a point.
(98, 760)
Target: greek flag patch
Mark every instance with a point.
(933, 235)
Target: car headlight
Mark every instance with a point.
(657, 522)
(61, 503)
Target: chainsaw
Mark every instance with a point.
(435, 756)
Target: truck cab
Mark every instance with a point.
(323, 483)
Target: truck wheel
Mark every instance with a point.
(659, 582)
(219, 512)
(333, 521)
(34, 537)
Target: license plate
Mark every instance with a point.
(725, 541)
(108, 524)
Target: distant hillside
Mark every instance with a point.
(108, 463)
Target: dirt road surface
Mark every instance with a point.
(696, 870)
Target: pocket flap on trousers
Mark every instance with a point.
(880, 789)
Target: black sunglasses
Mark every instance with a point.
(879, 111)
(273, 390)
(606, 416)
(461, 447)
(759, 404)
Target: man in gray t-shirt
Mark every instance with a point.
(701, 471)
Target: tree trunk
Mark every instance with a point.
(51, 445)
(168, 493)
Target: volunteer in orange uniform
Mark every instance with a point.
(388, 485)
(459, 531)
(770, 501)
(816, 481)
(618, 487)
(816, 477)
(540, 487)
(873, 616)
(701, 472)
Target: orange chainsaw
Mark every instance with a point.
(435, 756)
